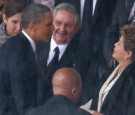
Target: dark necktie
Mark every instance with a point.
(55, 59)
(87, 12)
(50, 70)
(56, 56)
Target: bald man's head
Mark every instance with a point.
(67, 82)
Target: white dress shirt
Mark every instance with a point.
(53, 45)
(107, 86)
(132, 11)
(82, 2)
(94, 6)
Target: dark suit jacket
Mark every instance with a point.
(92, 32)
(120, 100)
(58, 105)
(119, 19)
(71, 58)
(18, 76)
(91, 35)
(61, 1)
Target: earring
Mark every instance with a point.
(125, 58)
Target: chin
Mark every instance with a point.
(59, 41)
(14, 34)
(114, 57)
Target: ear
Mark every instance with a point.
(31, 26)
(73, 91)
(77, 26)
(4, 17)
(30, 30)
(128, 55)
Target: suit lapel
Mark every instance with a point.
(46, 53)
(128, 8)
(98, 10)
(43, 53)
(76, 4)
(68, 57)
(26, 42)
(110, 99)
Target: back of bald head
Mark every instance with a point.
(65, 79)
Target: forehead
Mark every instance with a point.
(47, 17)
(121, 39)
(64, 16)
(15, 17)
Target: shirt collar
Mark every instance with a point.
(61, 47)
(30, 40)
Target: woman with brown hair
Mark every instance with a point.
(116, 94)
(11, 16)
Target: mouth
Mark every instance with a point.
(62, 34)
(16, 32)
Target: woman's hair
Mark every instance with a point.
(14, 6)
(128, 33)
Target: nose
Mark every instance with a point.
(18, 26)
(116, 44)
(62, 27)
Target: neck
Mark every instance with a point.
(124, 64)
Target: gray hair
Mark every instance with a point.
(66, 7)
(33, 13)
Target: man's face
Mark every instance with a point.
(43, 29)
(64, 27)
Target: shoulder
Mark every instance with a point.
(41, 47)
(2, 30)
(80, 111)
(35, 111)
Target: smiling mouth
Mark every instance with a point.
(62, 34)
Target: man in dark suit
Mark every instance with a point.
(95, 16)
(122, 16)
(67, 88)
(18, 68)
(65, 26)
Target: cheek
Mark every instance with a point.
(115, 52)
(71, 33)
(118, 54)
(46, 35)
(47, 32)
(10, 28)
(55, 31)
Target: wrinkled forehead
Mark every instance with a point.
(65, 16)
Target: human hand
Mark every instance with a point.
(93, 112)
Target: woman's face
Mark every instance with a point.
(13, 24)
(119, 53)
